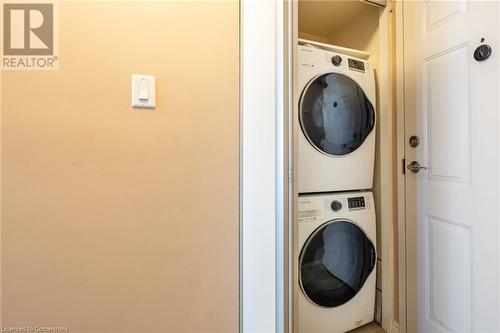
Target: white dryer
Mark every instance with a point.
(336, 113)
(336, 262)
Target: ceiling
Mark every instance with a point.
(321, 18)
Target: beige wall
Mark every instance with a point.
(361, 32)
(316, 38)
(121, 220)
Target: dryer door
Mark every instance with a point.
(335, 114)
(335, 262)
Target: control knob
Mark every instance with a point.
(336, 60)
(336, 205)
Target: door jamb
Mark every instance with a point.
(401, 184)
(387, 168)
(259, 209)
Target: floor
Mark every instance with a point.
(369, 328)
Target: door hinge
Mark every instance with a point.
(403, 166)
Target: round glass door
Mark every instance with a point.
(335, 114)
(335, 262)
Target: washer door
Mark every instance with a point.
(335, 114)
(335, 262)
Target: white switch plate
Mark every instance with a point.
(143, 91)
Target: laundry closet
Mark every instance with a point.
(344, 139)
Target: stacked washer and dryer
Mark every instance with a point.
(336, 214)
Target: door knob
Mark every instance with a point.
(482, 52)
(415, 167)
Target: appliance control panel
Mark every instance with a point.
(320, 207)
(356, 203)
(356, 65)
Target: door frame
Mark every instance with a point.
(401, 180)
(264, 131)
(267, 103)
(387, 125)
(388, 121)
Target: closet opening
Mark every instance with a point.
(344, 222)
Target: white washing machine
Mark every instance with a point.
(336, 261)
(336, 139)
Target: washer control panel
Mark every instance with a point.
(356, 65)
(356, 203)
(327, 206)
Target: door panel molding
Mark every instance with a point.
(444, 13)
(450, 244)
(447, 153)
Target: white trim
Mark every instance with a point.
(281, 182)
(394, 327)
(378, 312)
(400, 156)
(378, 3)
(498, 154)
(258, 166)
(293, 125)
(284, 72)
(387, 167)
(1, 201)
(339, 49)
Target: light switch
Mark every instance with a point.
(143, 91)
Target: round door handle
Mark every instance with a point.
(415, 167)
(482, 52)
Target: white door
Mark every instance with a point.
(452, 105)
